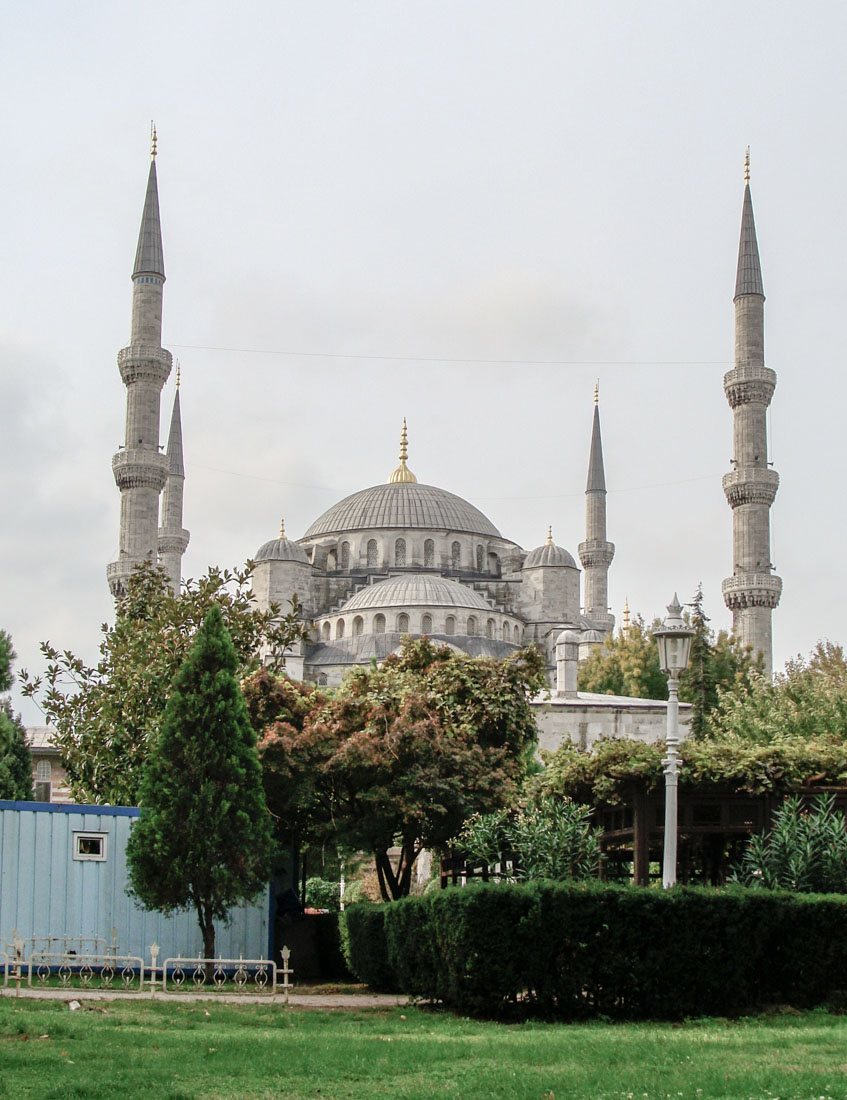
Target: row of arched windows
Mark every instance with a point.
(509, 632)
(341, 557)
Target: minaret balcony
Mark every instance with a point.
(751, 590)
(596, 553)
(173, 540)
(144, 363)
(138, 469)
(754, 485)
(746, 385)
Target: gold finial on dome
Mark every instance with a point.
(747, 165)
(549, 535)
(282, 528)
(403, 474)
(626, 617)
(152, 139)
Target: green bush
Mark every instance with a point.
(363, 944)
(571, 950)
(328, 939)
(322, 893)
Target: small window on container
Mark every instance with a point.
(90, 846)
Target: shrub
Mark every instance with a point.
(572, 950)
(363, 944)
(322, 893)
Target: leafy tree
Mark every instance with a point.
(405, 752)
(544, 838)
(15, 757)
(628, 664)
(805, 850)
(203, 839)
(107, 716)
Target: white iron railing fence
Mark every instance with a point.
(61, 962)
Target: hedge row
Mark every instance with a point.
(577, 950)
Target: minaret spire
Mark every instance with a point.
(753, 591)
(139, 468)
(596, 553)
(173, 538)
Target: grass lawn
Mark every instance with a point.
(215, 1051)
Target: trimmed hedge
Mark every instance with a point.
(363, 943)
(573, 950)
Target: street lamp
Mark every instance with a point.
(674, 641)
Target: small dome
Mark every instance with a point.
(416, 590)
(548, 554)
(568, 637)
(281, 549)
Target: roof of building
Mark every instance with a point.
(549, 554)
(359, 649)
(748, 278)
(281, 549)
(402, 505)
(149, 256)
(416, 590)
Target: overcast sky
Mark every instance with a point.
(460, 212)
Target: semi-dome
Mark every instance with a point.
(549, 554)
(402, 505)
(281, 549)
(416, 590)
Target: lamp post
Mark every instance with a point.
(674, 641)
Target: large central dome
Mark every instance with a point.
(402, 505)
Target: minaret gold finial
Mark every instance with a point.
(597, 392)
(747, 165)
(153, 139)
(549, 534)
(626, 617)
(282, 528)
(403, 474)
(177, 374)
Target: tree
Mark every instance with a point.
(545, 837)
(805, 850)
(405, 752)
(107, 716)
(15, 757)
(203, 839)
(628, 664)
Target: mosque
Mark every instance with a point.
(405, 558)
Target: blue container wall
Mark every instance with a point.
(44, 891)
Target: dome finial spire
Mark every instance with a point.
(549, 535)
(403, 473)
(282, 528)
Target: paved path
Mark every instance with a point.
(349, 1001)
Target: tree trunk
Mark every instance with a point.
(207, 930)
(394, 884)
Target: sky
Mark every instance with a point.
(459, 212)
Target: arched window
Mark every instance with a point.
(43, 771)
(472, 625)
(321, 679)
(403, 623)
(489, 629)
(506, 632)
(358, 625)
(493, 564)
(325, 632)
(339, 629)
(379, 624)
(479, 559)
(426, 624)
(345, 557)
(372, 554)
(456, 555)
(450, 625)
(517, 634)
(429, 554)
(331, 560)
(400, 552)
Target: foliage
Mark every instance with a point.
(805, 850)
(545, 838)
(15, 757)
(203, 839)
(107, 716)
(363, 943)
(587, 949)
(628, 664)
(322, 894)
(403, 753)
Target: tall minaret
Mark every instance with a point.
(753, 591)
(596, 553)
(173, 538)
(140, 470)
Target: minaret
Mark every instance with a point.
(753, 591)
(173, 538)
(596, 553)
(139, 468)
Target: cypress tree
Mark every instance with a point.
(203, 839)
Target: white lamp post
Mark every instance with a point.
(674, 641)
